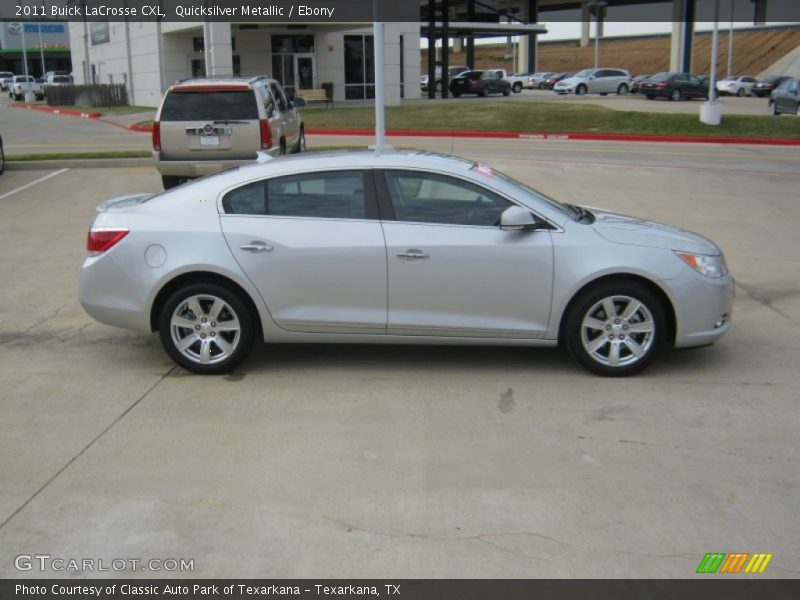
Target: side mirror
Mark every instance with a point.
(516, 218)
(299, 102)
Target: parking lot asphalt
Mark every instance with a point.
(339, 461)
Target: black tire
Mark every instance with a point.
(622, 90)
(170, 181)
(301, 142)
(675, 95)
(650, 317)
(484, 92)
(282, 151)
(773, 109)
(651, 96)
(517, 87)
(581, 90)
(740, 93)
(456, 94)
(507, 91)
(235, 309)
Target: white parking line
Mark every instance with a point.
(32, 183)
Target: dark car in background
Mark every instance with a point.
(481, 83)
(553, 79)
(764, 87)
(785, 99)
(637, 81)
(675, 86)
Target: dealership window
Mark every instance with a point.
(99, 33)
(359, 67)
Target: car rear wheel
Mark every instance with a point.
(581, 90)
(507, 91)
(206, 329)
(301, 142)
(675, 95)
(740, 93)
(615, 328)
(483, 93)
(517, 87)
(622, 90)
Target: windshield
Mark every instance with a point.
(490, 173)
(584, 73)
(730, 79)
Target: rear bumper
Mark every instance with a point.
(200, 168)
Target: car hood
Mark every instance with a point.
(570, 81)
(633, 231)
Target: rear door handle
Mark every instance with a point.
(413, 255)
(256, 247)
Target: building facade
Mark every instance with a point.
(149, 57)
(46, 46)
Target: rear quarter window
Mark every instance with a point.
(232, 105)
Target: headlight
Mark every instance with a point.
(710, 266)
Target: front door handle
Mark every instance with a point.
(255, 247)
(413, 255)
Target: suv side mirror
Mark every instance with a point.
(516, 218)
(299, 102)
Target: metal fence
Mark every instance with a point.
(112, 94)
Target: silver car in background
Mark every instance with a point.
(595, 81)
(396, 247)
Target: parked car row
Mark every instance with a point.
(19, 85)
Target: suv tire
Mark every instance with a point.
(170, 181)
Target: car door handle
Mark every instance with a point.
(256, 247)
(413, 255)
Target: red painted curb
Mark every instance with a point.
(57, 111)
(137, 127)
(610, 137)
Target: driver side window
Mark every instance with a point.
(429, 198)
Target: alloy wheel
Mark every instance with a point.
(618, 331)
(205, 329)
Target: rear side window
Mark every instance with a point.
(328, 195)
(210, 106)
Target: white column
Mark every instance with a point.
(220, 53)
(585, 22)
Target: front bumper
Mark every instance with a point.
(703, 308)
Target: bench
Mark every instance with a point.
(319, 95)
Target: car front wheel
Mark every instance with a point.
(581, 90)
(740, 93)
(615, 328)
(622, 90)
(675, 95)
(206, 329)
(517, 88)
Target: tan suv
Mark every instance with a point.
(209, 124)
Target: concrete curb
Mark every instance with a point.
(599, 137)
(78, 163)
(56, 111)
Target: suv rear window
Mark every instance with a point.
(210, 106)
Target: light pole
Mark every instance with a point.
(730, 43)
(710, 113)
(380, 122)
(598, 9)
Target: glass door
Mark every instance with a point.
(304, 71)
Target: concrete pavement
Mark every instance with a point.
(328, 461)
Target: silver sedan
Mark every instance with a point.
(396, 247)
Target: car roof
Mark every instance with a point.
(359, 159)
(205, 83)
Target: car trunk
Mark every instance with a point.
(212, 123)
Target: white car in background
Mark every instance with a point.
(736, 86)
(5, 78)
(595, 81)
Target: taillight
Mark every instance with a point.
(157, 136)
(661, 85)
(266, 134)
(100, 240)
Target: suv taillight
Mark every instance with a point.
(100, 240)
(157, 136)
(266, 134)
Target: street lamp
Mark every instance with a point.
(730, 43)
(710, 113)
(598, 9)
